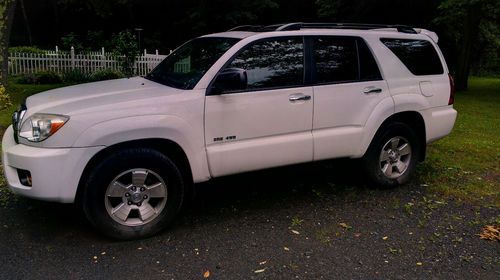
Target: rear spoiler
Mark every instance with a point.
(428, 33)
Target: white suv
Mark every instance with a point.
(129, 150)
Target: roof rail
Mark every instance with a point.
(333, 25)
(300, 25)
(254, 28)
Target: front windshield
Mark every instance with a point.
(186, 66)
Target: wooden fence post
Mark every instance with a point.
(72, 58)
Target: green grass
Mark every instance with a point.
(17, 94)
(466, 164)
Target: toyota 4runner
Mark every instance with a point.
(128, 150)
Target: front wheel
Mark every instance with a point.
(392, 157)
(133, 193)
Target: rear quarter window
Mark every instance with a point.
(419, 56)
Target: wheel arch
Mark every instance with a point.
(414, 120)
(167, 147)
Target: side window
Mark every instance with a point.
(336, 59)
(272, 63)
(419, 56)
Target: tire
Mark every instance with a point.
(388, 163)
(133, 193)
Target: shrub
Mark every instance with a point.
(75, 76)
(42, 77)
(125, 44)
(48, 77)
(26, 49)
(25, 79)
(5, 101)
(106, 74)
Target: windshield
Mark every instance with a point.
(186, 66)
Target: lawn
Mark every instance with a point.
(464, 165)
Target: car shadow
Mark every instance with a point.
(338, 180)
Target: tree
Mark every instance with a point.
(463, 19)
(7, 8)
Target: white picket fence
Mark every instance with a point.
(60, 62)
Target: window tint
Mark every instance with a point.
(419, 56)
(277, 62)
(336, 59)
(368, 68)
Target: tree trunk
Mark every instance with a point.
(471, 30)
(26, 22)
(7, 8)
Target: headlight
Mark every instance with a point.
(41, 126)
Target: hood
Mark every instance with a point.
(92, 96)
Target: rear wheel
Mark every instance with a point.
(133, 193)
(392, 157)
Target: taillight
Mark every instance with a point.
(452, 90)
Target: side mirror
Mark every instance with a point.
(230, 79)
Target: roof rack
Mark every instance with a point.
(251, 28)
(301, 25)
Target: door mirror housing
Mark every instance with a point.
(230, 79)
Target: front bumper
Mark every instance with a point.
(55, 172)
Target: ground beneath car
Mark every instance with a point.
(316, 221)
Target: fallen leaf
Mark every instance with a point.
(206, 274)
(260, 270)
(385, 238)
(294, 231)
(344, 225)
(490, 233)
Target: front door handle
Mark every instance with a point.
(370, 90)
(299, 97)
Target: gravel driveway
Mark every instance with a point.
(315, 221)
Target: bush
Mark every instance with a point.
(26, 79)
(75, 76)
(48, 77)
(5, 101)
(26, 49)
(42, 77)
(106, 74)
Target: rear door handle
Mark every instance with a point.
(299, 97)
(370, 90)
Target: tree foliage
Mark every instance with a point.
(473, 27)
(168, 23)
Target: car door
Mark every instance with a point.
(268, 121)
(348, 86)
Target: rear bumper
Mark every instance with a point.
(438, 122)
(55, 172)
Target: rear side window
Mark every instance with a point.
(343, 59)
(272, 63)
(336, 59)
(419, 56)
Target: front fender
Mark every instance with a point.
(173, 128)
